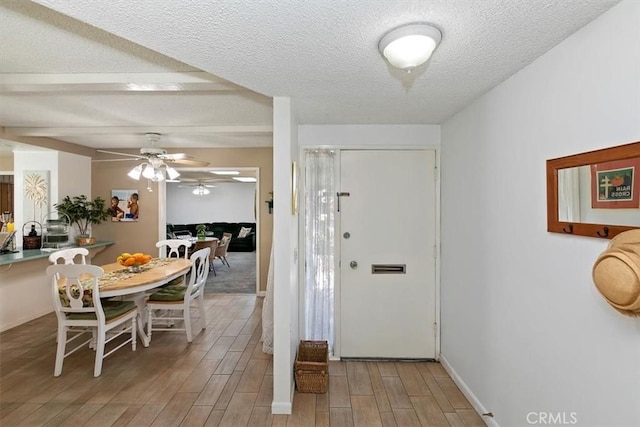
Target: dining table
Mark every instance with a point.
(119, 281)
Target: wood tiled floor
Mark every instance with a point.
(221, 379)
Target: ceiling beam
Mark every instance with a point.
(163, 130)
(123, 82)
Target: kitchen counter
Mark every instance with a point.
(25, 289)
(33, 254)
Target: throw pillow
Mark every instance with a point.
(244, 232)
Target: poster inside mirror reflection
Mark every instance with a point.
(616, 185)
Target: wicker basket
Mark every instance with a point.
(312, 367)
(31, 242)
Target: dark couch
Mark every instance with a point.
(215, 229)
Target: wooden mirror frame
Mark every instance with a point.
(554, 225)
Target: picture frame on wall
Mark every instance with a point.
(124, 205)
(616, 185)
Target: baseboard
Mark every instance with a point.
(23, 320)
(281, 408)
(284, 407)
(477, 405)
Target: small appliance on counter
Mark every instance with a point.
(56, 234)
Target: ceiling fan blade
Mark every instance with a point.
(114, 160)
(137, 156)
(189, 162)
(175, 156)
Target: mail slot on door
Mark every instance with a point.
(388, 268)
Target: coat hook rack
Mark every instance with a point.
(606, 232)
(570, 230)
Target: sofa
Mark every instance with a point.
(216, 229)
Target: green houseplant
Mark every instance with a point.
(84, 212)
(201, 230)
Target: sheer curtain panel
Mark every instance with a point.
(321, 187)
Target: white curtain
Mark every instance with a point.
(569, 195)
(318, 291)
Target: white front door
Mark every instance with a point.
(387, 261)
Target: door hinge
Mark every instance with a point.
(435, 329)
(436, 251)
(435, 173)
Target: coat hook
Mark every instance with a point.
(570, 230)
(606, 232)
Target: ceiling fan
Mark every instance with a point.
(200, 189)
(154, 155)
(155, 161)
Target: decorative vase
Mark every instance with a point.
(201, 235)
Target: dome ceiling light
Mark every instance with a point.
(409, 46)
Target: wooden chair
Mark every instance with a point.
(179, 298)
(77, 305)
(69, 256)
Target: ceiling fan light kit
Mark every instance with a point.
(201, 190)
(154, 168)
(409, 46)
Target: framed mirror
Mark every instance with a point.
(595, 193)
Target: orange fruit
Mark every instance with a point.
(147, 258)
(129, 261)
(139, 257)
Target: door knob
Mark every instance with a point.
(353, 265)
(346, 235)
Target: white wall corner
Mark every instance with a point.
(477, 405)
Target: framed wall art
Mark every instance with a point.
(124, 205)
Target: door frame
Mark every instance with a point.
(162, 213)
(337, 257)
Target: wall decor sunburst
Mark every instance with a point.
(36, 195)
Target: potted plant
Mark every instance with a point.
(83, 213)
(201, 230)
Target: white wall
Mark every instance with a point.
(227, 202)
(522, 324)
(70, 167)
(32, 161)
(285, 253)
(369, 136)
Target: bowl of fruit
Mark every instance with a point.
(133, 262)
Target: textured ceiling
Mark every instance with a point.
(322, 54)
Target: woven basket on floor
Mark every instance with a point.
(312, 367)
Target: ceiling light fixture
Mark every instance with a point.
(155, 171)
(245, 178)
(226, 172)
(201, 190)
(409, 46)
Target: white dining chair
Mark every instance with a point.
(69, 256)
(172, 248)
(77, 305)
(174, 303)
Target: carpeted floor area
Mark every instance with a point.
(240, 278)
